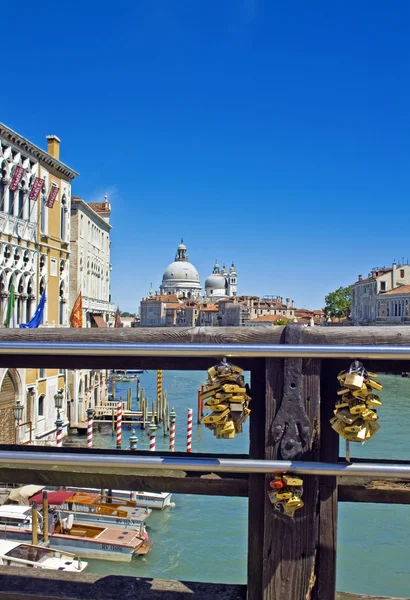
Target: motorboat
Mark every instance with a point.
(92, 509)
(15, 554)
(90, 541)
(157, 501)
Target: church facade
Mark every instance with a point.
(181, 292)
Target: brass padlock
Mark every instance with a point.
(353, 381)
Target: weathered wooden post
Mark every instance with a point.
(282, 553)
(129, 400)
(34, 524)
(45, 516)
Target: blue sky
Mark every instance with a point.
(272, 133)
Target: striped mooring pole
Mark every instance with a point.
(59, 434)
(152, 429)
(189, 431)
(119, 424)
(89, 427)
(159, 385)
(133, 441)
(172, 419)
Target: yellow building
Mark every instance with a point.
(35, 198)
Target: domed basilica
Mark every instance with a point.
(181, 278)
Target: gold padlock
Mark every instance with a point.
(353, 381)
(375, 385)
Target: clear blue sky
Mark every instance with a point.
(272, 133)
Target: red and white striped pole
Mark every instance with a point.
(119, 424)
(189, 431)
(59, 434)
(172, 419)
(152, 429)
(89, 427)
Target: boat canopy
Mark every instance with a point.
(23, 494)
(54, 498)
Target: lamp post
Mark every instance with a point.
(18, 415)
(58, 401)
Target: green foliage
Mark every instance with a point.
(282, 322)
(338, 303)
(127, 314)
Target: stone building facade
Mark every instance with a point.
(34, 257)
(369, 307)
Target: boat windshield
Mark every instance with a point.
(32, 553)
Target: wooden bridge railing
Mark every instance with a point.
(293, 400)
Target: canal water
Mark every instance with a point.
(204, 538)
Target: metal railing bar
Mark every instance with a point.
(203, 350)
(10, 459)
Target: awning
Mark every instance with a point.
(98, 320)
(22, 494)
(54, 498)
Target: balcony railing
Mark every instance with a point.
(11, 225)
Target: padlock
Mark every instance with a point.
(284, 494)
(353, 381)
(292, 480)
(373, 400)
(375, 385)
(346, 416)
(295, 502)
(211, 372)
(341, 404)
(357, 407)
(343, 391)
(215, 418)
(369, 415)
(233, 389)
(277, 484)
(220, 407)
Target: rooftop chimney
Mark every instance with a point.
(360, 278)
(53, 146)
(393, 275)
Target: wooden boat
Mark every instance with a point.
(157, 501)
(90, 541)
(92, 509)
(15, 554)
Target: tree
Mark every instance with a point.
(127, 314)
(282, 322)
(338, 303)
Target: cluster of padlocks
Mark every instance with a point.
(286, 494)
(227, 397)
(355, 411)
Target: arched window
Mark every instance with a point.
(20, 204)
(63, 219)
(40, 405)
(43, 213)
(11, 202)
(61, 305)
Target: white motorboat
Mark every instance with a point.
(15, 554)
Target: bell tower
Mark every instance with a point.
(232, 281)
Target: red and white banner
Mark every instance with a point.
(15, 180)
(36, 188)
(52, 195)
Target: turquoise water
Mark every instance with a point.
(373, 545)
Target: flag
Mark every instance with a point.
(52, 195)
(117, 322)
(76, 317)
(10, 308)
(36, 188)
(16, 178)
(35, 321)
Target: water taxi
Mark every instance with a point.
(90, 541)
(157, 501)
(94, 509)
(14, 554)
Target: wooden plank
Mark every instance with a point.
(38, 584)
(177, 482)
(256, 504)
(375, 491)
(329, 452)
(393, 335)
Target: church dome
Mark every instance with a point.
(216, 281)
(181, 277)
(178, 270)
